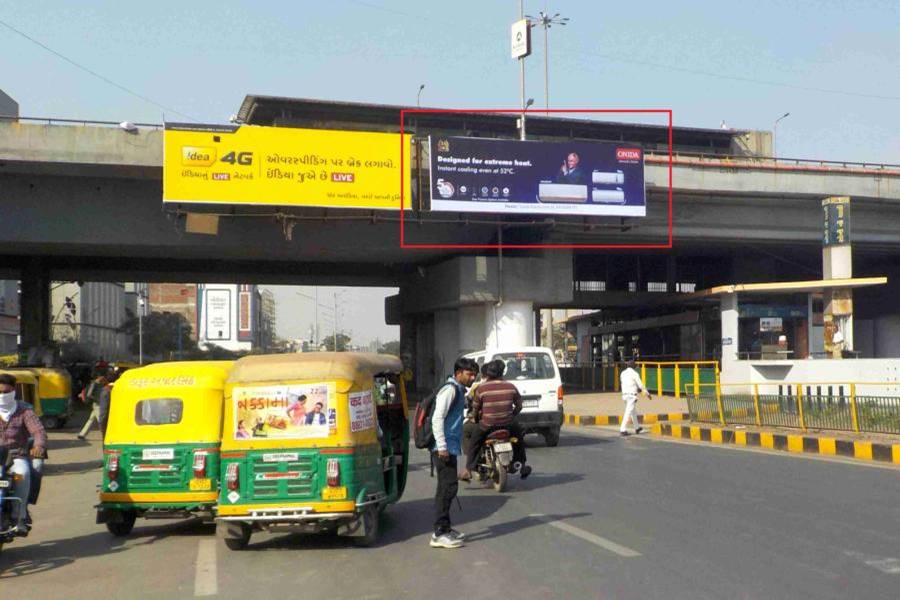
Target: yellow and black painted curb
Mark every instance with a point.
(801, 444)
(616, 419)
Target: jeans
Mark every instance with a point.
(479, 434)
(447, 487)
(22, 488)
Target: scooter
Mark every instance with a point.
(494, 461)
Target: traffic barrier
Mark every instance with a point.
(648, 419)
(832, 406)
(798, 444)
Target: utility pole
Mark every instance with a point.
(522, 76)
(317, 318)
(140, 328)
(335, 322)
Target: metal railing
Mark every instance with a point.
(83, 122)
(660, 377)
(817, 405)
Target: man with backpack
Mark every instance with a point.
(446, 429)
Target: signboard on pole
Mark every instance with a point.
(520, 39)
(283, 166)
(535, 177)
(836, 231)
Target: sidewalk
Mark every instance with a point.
(610, 403)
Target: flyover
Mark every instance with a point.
(85, 202)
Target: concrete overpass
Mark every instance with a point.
(85, 201)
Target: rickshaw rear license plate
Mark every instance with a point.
(200, 484)
(4, 484)
(503, 447)
(334, 493)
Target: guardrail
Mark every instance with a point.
(812, 405)
(83, 122)
(660, 377)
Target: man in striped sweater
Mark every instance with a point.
(495, 405)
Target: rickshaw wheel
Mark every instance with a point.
(370, 522)
(235, 535)
(50, 422)
(123, 527)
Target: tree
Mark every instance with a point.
(343, 341)
(390, 348)
(165, 333)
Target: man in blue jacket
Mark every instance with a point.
(447, 425)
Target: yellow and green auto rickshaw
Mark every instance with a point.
(26, 385)
(161, 448)
(312, 442)
(54, 396)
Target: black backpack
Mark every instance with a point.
(423, 435)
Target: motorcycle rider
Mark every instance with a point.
(18, 422)
(495, 405)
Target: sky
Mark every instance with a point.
(831, 64)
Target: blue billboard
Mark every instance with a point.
(536, 177)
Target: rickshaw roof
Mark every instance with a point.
(313, 365)
(21, 375)
(204, 373)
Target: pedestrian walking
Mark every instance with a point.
(447, 426)
(631, 386)
(92, 395)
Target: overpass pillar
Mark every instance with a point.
(509, 324)
(35, 304)
(728, 309)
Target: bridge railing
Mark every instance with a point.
(812, 405)
(83, 122)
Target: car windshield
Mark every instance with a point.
(527, 365)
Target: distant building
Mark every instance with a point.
(8, 106)
(9, 316)
(91, 314)
(228, 316)
(268, 333)
(180, 298)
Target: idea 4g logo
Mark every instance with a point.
(205, 156)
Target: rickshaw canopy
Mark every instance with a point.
(166, 403)
(325, 366)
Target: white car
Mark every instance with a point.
(534, 372)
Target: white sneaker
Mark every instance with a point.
(445, 541)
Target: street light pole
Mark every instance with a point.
(522, 76)
(140, 329)
(335, 322)
(774, 132)
(545, 20)
(419, 96)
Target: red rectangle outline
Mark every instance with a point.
(404, 244)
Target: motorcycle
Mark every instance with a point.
(8, 502)
(494, 461)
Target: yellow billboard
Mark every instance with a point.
(284, 166)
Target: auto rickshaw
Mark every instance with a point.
(54, 396)
(161, 448)
(312, 442)
(26, 385)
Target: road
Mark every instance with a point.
(602, 517)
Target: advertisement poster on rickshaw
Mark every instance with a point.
(362, 411)
(283, 411)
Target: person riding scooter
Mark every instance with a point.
(18, 422)
(495, 405)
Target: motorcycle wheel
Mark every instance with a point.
(123, 527)
(499, 477)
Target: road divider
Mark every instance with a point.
(798, 444)
(648, 419)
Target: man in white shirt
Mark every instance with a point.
(631, 387)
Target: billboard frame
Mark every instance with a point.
(426, 246)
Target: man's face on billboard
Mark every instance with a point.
(572, 160)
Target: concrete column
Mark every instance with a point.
(471, 328)
(446, 343)
(728, 309)
(35, 304)
(510, 324)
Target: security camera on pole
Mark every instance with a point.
(521, 47)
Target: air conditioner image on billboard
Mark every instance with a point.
(608, 178)
(562, 192)
(616, 196)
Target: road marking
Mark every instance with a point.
(588, 536)
(206, 580)
(888, 565)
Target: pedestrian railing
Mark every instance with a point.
(660, 378)
(834, 405)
